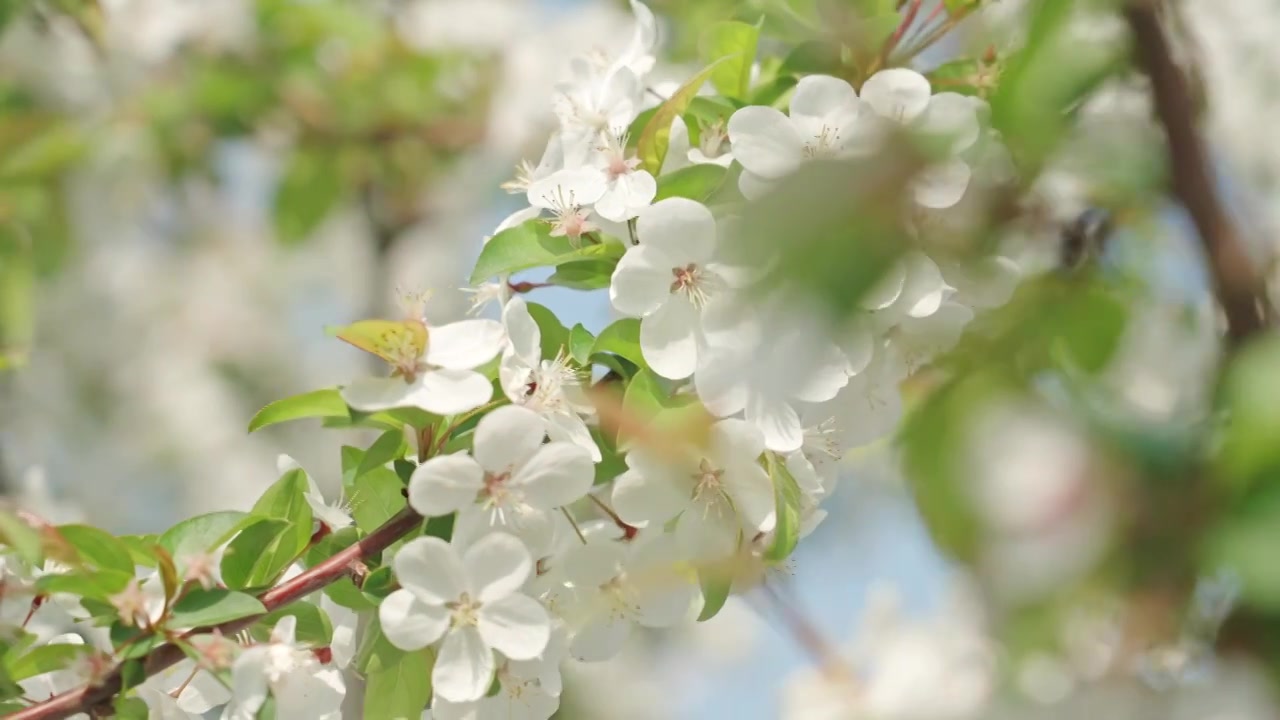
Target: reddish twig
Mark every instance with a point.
(1236, 282)
(87, 698)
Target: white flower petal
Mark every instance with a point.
(735, 440)
(651, 497)
(824, 98)
(465, 344)
(678, 150)
(665, 600)
(449, 392)
(886, 289)
(522, 330)
(753, 497)
(248, 684)
(569, 427)
(898, 94)
(823, 379)
(669, 340)
(924, 290)
(506, 438)
(594, 564)
(445, 484)
(765, 141)
(498, 564)
(464, 667)
(371, 394)
(642, 281)
(719, 386)
(684, 229)
(753, 186)
(577, 186)
(601, 640)
(953, 116)
(516, 625)
(431, 569)
(627, 196)
(777, 420)
(558, 473)
(942, 185)
(409, 623)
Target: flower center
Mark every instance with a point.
(708, 486)
(523, 178)
(824, 144)
(571, 220)
(821, 440)
(614, 152)
(712, 141)
(547, 382)
(616, 592)
(697, 283)
(495, 492)
(463, 611)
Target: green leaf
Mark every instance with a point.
(95, 586)
(530, 245)
(716, 581)
(580, 344)
(786, 498)
(141, 549)
(401, 690)
(966, 76)
(584, 274)
(771, 92)
(555, 336)
(1251, 393)
(311, 186)
(652, 148)
(710, 110)
(1244, 542)
(389, 446)
(313, 627)
(200, 534)
(257, 555)
(736, 42)
(46, 154)
(286, 500)
(97, 549)
(376, 653)
(132, 708)
(695, 182)
(132, 642)
(621, 338)
(1054, 70)
(44, 658)
(814, 57)
(20, 536)
(325, 403)
(200, 608)
(377, 498)
(611, 463)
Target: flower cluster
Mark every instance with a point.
(563, 488)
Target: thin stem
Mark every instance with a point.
(900, 31)
(811, 639)
(1236, 282)
(577, 530)
(85, 699)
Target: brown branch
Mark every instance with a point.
(87, 698)
(1236, 282)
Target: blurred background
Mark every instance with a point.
(192, 190)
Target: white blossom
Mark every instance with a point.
(445, 382)
(471, 600)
